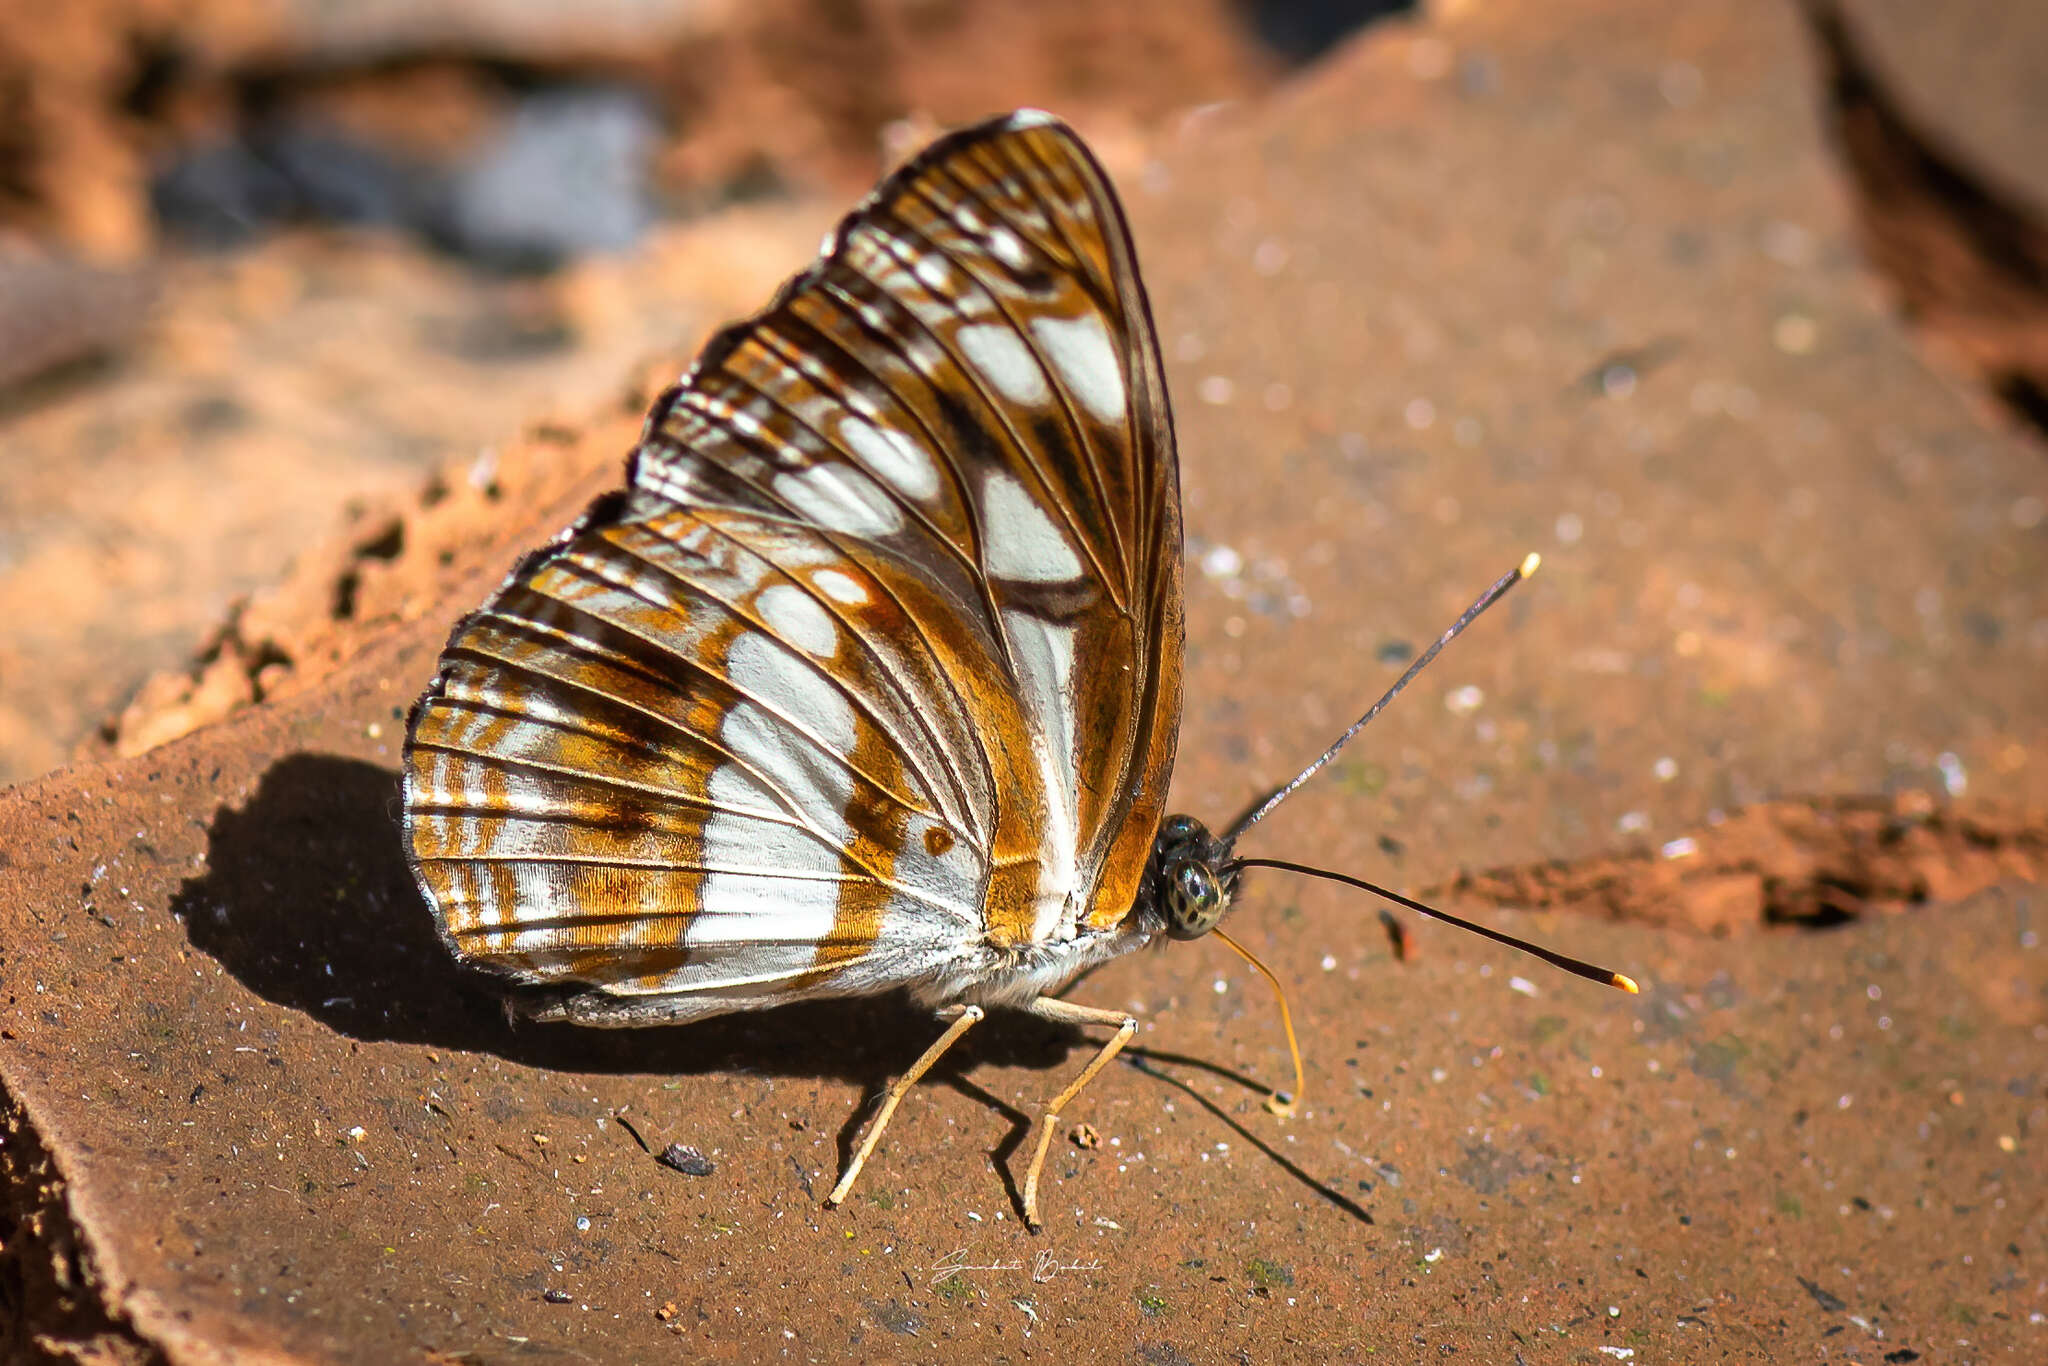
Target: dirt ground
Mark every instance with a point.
(1618, 283)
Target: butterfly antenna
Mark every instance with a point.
(1471, 614)
(1575, 966)
(1280, 1102)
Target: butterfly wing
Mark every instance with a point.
(875, 664)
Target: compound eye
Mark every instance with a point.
(1178, 832)
(1196, 899)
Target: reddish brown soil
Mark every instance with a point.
(1805, 864)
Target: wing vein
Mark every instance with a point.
(781, 713)
(1084, 447)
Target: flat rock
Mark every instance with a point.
(1577, 279)
(1972, 71)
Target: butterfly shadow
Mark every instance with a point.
(1146, 1059)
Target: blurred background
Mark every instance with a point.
(272, 271)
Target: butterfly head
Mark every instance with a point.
(1194, 877)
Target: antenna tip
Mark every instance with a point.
(1530, 564)
(1627, 984)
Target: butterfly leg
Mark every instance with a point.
(963, 1018)
(1066, 1012)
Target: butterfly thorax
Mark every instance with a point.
(1016, 976)
(1188, 883)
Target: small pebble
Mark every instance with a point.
(687, 1160)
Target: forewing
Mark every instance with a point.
(967, 390)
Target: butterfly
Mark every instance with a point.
(869, 679)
